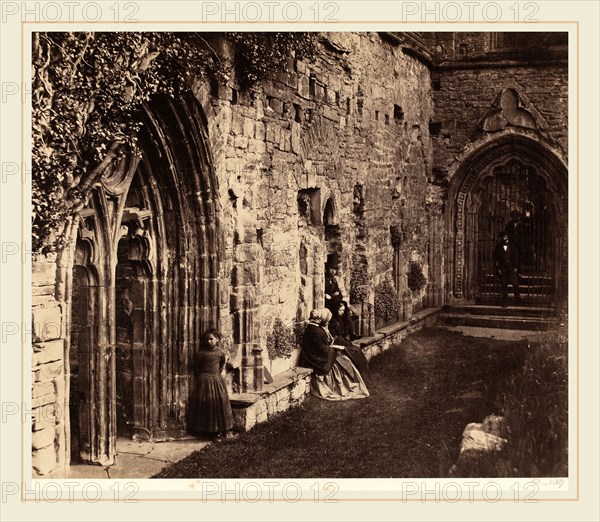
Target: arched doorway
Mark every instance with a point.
(518, 185)
(147, 261)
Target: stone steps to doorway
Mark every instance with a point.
(492, 309)
(513, 317)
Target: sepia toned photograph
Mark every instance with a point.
(300, 254)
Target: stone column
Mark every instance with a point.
(246, 276)
(434, 251)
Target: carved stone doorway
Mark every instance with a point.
(513, 179)
(144, 285)
(515, 199)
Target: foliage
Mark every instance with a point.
(260, 55)
(534, 403)
(89, 88)
(282, 340)
(416, 279)
(359, 281)
(387, 308)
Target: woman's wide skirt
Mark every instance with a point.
(212, 409)
(341, 383)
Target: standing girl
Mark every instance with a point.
(213, 410)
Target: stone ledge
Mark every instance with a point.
(395, 332)
(283, 380)
(288, 388)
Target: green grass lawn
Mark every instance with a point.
(427, 389)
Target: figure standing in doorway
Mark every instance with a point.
(333, 294)
(506, 261)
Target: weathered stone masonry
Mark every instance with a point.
(241, 196)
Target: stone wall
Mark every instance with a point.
(48, 368)
(292, 153)
(348, 155)
(463, 97)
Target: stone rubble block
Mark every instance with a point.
(262, 416)
(43, 400)
(45, 291)
(273, 133)
(46, 323)
(475, 439)
(240, 142)
(303, 87)
(285, 142)
(299, 391)
(282, 394)
(283, 404)
(47, 372)
(248, 128)
(43, 270)
(257, 146)
(271, 405)
(44, 417)
(237, 124)
(260, 131)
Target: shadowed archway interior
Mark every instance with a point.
(513, 176)
(144, 286)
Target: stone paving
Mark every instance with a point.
(136, 459)
(500, 334)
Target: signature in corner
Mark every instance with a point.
(557, 482)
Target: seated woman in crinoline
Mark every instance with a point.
(342, 330)
(335, 376)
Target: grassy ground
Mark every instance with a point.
(426, 391)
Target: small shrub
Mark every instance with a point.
(282, 340)
(416, 279)
(359, 281)
(387, 308)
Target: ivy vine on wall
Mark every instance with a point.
(387, 307)
(359, 281)
(282, 340)
(416, 278)
(88, 90)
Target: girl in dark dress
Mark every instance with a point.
(343, 334)
(212, 411)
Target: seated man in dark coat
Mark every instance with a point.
(506, 261)
(333, 294)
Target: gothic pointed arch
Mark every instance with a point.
(148, 257)
(498, 180)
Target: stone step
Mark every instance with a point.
(512, 322)
(494, 309)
